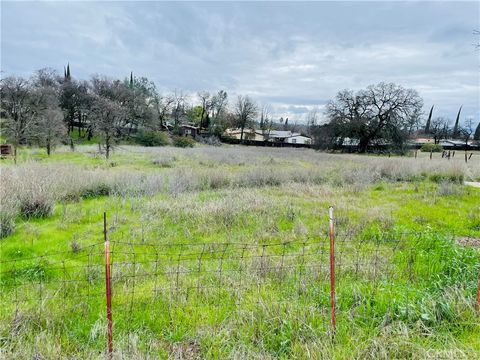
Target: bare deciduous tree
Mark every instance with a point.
(16, 101)
(109, 116)
(218, 110)
(109, 111)
(245, 110)
(178, 110)
(265, 112)
(219, 103)
(312, 120)
(163, 106)
(466, 131)
(50, 129)
(140, 103)
(439, 129)
(206, 104)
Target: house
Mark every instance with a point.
(298, 139)
(278, 135)
(248, 134)
(6, 150)
(287, 136)
(452, 143)
(189, 130)
(422, 140)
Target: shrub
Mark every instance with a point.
(75, 246)
(183, 142)
(431, 148)
(36, 206)
(448, 176)
(152, 138)
(96, 189)
(7, 223)
(210, 140)
(447, 188)
(164, 162)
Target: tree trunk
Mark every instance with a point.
(79, 125)
(363, 144)
(107, 147)
(201, 117)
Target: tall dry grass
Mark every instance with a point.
(32, 189)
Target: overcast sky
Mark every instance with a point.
(291, 55)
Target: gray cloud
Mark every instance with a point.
(291, 55)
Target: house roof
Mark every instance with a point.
(279, 133)
(421, 140)
(299, 136)
(245, 131)
(452, 142)
(190, 126)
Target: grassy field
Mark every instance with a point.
(221, 252)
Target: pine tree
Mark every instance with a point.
(427, 126)
(455, 128)
(68, 71)
(476, 136)
(131, 78)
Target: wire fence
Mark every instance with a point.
(141, 282)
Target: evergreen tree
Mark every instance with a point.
(68, 77)
(455, 128)
(131, 78)
(429, 120)
(476, 136)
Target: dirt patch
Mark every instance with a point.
(469, 241)
(186, 350)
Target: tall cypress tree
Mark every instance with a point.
(131, 78)
(68, 71)
(429, 120)
(64, 73)
(476, 136)
(455, 128)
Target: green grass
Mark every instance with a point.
(414, 300)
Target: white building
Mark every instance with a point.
(298, 139)
(278, 136)
(288, 137)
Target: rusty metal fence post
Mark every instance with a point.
(478, 295)
(108, 288)
(331, 232)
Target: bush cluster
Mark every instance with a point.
(431, 148)
(152, 138)
(7, 223)
(183, 141)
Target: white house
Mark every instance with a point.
(298, 139)
(278, 136)
(288, 137)
(248, 134)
